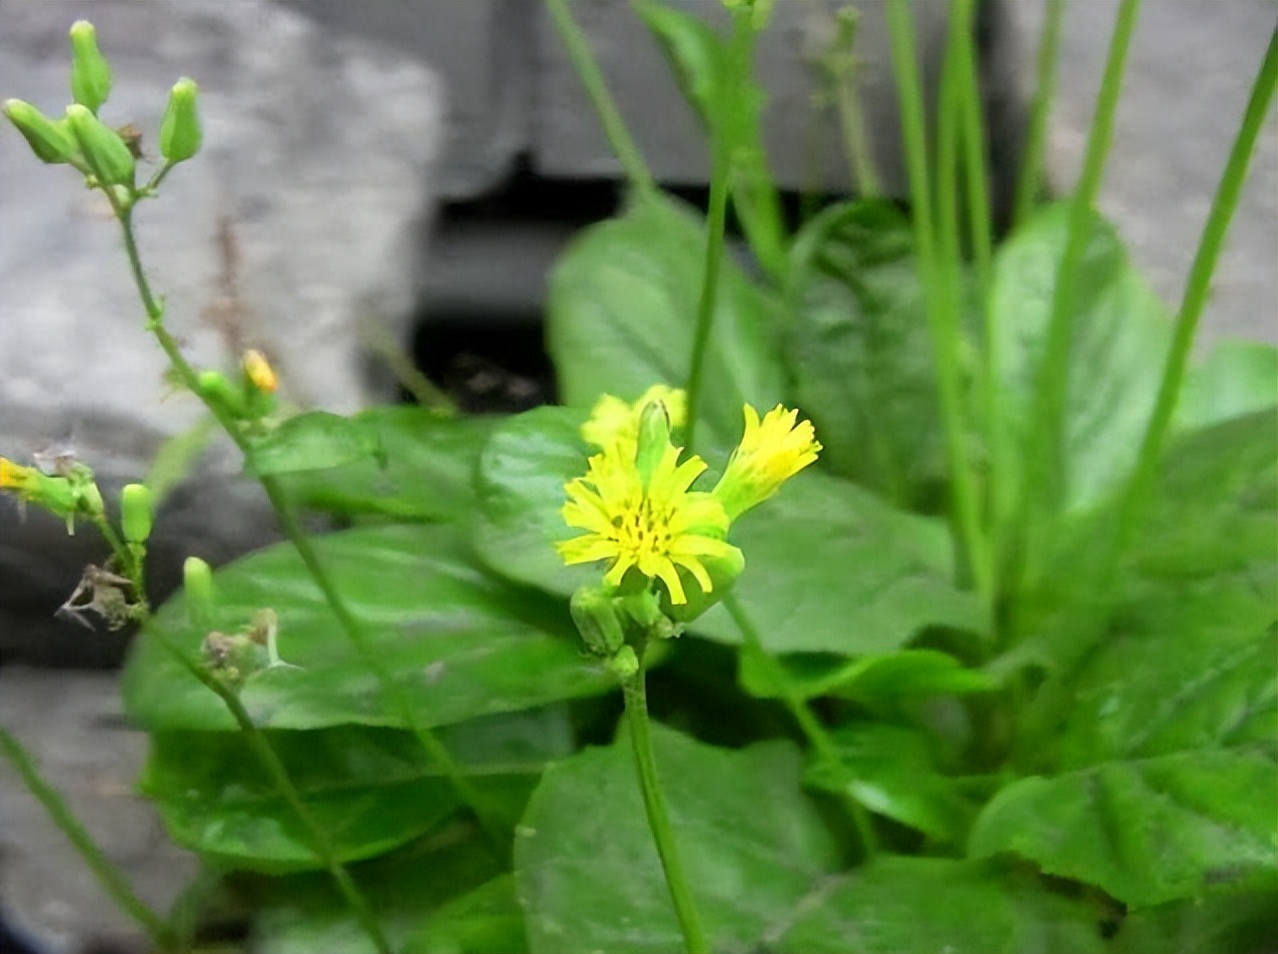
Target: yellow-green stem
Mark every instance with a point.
(635, 692)
(941, 300)
(493, 829)
(583, 61)
(803, 716)
(110, 877)
(1030, 182)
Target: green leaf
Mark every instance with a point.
(860, 350)
(1148, 830)
(488, 920)
(697, 54)
(893, 771)
(622, 312)
(1244, 923)
(934, 904)
(1239, 377)
(427, 472)
(313, 441)
(588, 873)
(1120, 332)
(832, 568)
(408, 891)
(520, 484)
(460, 642)
(880, 679)
(369, 789)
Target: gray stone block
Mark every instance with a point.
(303, 217)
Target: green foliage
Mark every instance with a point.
(857, 749)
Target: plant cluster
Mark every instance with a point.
(994, 670)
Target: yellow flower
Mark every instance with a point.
(614, 423)
(771, 452)
(656, 529)
(25, 481)
(259, 371)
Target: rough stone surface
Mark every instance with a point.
(1190, 70)
(302, 218)
(71, 723)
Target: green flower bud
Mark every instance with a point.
(90, 72)
(600, 624)
(180, 133)
(654, 439)
(49, 139)
(217, 390)
(136, 512)
(105, 153)
(623, 663)
(197, 578)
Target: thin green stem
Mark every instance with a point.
(803, 716)
(112, 880)
(493, 829)
(635, 692)
(716, 219)
(320, 842)
(1045, 485)
(942, 303)
(975, 162)
(1029, 184)
(583, 61)
(1198, 285)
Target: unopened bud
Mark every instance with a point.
(49, 139)
(218, 391)
(654, 439)
(136, 512)
(105, 153)
(600, 624)
(259, 372)
(180, 132)
(90, 72)
(197, 579)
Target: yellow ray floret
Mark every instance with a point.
(771, 452)
(657, 530)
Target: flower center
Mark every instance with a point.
(642, 529)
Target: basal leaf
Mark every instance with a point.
(520, 483)
(832, 568)
(1243, 923)
(1147, 831)
(861, 352)
(588, 873)
(460, 642)
(1237, 378)
(313, 441)
(408, 890)
(427, 472)
(621, 316)
(1119, 334)
(369, 789)
(883, 678)
(935, 904)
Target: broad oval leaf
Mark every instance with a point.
(1147, 831)
(621, 317)
(313, 441)
(588, 873)
(832, 568)
(861, 351)
(460, 642)
(898, 904)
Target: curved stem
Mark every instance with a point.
(799, 710)
(1029, 183)
(636, 695)
(1045, 484)
(112, 880)
(583, 61)
(466, 793)
(1198, 285)
(942, 303)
